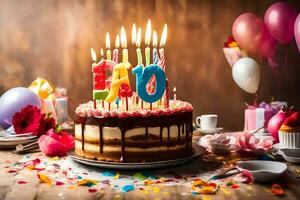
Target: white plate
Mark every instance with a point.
(263, 170)
(210, 131)
(291, 155)
(134, 166)
(17, 139)
(13, 144)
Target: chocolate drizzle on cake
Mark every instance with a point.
(181, 120)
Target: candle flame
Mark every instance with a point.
(148, 33)
(123, 38)
(164, 36)
(107, 41)
(93, 55)
(139, 37)
(133, 34)
(174, 89)
(117, 43)
(101, 53)
(154, 42)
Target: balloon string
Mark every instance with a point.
(255, 99)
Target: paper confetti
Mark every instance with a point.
(21, 182)
(203, 187)
(58, 183)
(43, 178)
(109, 173)
(140, 176)
(277, 190)
(92, 190)
(87, 182)
(235, 186)
(116, 176)
(127, 188)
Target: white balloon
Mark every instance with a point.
(246, 74)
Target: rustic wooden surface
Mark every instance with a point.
(9, 189)
(52, 39)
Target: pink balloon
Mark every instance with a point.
(252, 35)
(297, 31)
(280, 18)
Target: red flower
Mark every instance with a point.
(27, 120)
(46, 123)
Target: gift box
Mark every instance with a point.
(54, 100)
(258, 117)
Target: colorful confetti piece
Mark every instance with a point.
(109, 173)
(92, 190)
(44, 178)
(277, 190)
(140, 176)
(127, 188)
(202, 187)
(21, 182)
(87, 182)
(58, 183)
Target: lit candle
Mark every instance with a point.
(163, 39)
(155, 54)
(162, 61)
(138, 49)
(174, 94)
(124, 45)
(107, 43)
(116, 50)
(147, 42)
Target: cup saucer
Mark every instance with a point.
(211, 131)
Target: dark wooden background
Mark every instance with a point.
(52, 39)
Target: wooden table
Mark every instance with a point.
(9, 189)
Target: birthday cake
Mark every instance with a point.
(121, 125)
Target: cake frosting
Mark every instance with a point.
(135, 135)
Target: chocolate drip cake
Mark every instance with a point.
(135, 135)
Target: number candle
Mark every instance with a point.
(116, 50)
(147, 42)
(108, 51)
(124, 45)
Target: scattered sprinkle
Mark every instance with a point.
(58, 183)
(235, 186)
(92, 190)
(21, 182)
(87, 182)
(140, 176)
(109, 173)
(127, 188)
(44, 178)
(277, 190)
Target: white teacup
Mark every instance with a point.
(207, 122)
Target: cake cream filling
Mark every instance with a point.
(94, 148)
(92, 133)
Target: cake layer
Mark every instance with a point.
(92, 133)
(132, 154)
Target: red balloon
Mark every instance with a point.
(252, 35)
(280, 19)
(297, 31)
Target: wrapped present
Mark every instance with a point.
(55, 100)
(232, 51)
(258, 117)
